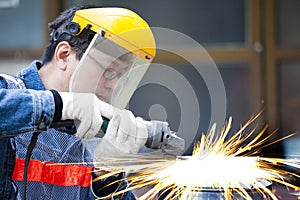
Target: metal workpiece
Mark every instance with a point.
(255, 192)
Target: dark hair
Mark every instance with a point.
(64, 17)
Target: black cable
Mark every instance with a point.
(30, 148)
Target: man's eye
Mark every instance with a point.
(110, 74)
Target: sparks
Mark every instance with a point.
(227, 165)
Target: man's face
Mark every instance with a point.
(109, 71)
(105, 72)
(109, 79)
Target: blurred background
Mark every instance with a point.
(254, 43)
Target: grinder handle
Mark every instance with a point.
(104, 124)
(66, 123)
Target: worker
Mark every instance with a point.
(89, 64)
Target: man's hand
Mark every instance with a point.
(125, 135)
(86, 110)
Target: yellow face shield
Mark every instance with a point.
(109, 71)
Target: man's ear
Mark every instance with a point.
(61, 54)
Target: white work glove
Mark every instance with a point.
(125, 135)
(86, 111)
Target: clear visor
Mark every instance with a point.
(109, 71)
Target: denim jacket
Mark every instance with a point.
(22, 112)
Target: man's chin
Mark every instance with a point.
(104, 98)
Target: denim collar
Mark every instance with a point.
(31, 76)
